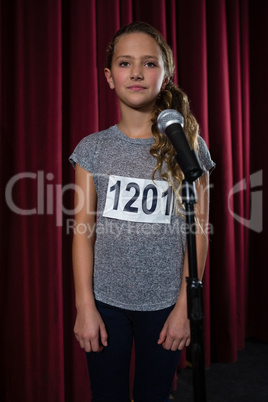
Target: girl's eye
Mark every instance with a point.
(124, 64)
(150, 64)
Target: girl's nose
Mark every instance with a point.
(136, 74)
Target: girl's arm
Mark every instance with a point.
(176, 331)
(89, 328)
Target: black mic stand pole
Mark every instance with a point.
(194, 295)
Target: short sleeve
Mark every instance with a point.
(204, 156)
(84, 153)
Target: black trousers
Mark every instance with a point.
(155, 367)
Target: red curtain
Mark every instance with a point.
(53, 93)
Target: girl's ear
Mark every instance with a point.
(164, 83)
(109, 77)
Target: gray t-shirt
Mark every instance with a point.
(140, 242)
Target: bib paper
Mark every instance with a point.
(138, 200)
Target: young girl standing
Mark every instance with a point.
(130, 261)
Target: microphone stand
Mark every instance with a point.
(170, 122)
(194, 295)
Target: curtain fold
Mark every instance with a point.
(224, 306)
(53, 93)
(258, 274)
(31, 268)
(240, 153)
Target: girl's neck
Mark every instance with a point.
(136, 124)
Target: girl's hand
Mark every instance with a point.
(90, 330)
(176, 330)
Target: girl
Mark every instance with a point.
(130, 260)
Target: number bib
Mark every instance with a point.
(138, 200)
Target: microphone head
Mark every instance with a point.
(167, 117)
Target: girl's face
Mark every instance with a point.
(137, 73)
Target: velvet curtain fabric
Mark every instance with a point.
(53, 93)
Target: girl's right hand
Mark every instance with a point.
(90, 329)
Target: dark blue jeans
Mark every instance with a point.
(155, 367)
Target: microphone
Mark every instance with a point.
(171, 122)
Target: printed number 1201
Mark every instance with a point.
(149, 193)
(138, 200)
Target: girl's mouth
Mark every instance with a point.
(136, 88)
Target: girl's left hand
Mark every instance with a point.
(176, 331)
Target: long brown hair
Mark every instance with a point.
(172, 97)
